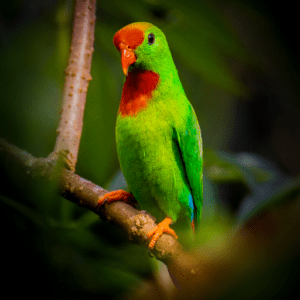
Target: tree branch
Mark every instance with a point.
(76, 83)
(86, 194)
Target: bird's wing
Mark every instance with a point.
(190, 144)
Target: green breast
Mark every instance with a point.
(151, 161)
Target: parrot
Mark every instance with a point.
(158, 138)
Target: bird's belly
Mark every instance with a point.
(145, 159)
(153, 169)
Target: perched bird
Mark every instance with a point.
(158, 137)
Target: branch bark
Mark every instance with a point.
(82, 192)
(77, 77)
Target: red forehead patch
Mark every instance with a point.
(131, 35)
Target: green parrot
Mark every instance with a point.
(158, 137)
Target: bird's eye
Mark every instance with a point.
(151, 39)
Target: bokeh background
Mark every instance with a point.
(239, 65)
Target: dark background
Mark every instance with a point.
(239, 65)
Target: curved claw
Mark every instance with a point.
(157, 231)
(118, 195)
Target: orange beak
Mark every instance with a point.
(127, 57)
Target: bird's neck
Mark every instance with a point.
(141, 86)
(137, 91)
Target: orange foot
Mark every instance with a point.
(157, 231)
(118, 195)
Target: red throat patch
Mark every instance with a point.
(137, 91)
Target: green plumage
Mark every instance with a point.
(160, 148)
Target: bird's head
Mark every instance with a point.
(141, 45)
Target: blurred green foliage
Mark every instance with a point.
(69, 250)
